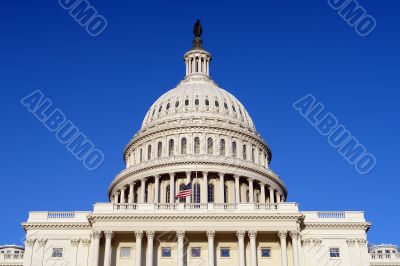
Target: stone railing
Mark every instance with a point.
(334, 216)
(11, 257)
(61, 215)
(195, 207)
(386, 256)
(331, 215)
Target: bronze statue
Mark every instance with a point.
(197, 29)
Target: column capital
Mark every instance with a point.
(210, 234)
(172, 174)
(157, 177)
(362, 242)
(143, 179)
(294, 235)
(282, 234)
(350, 242)
(117, 192)
(188, 173)
(236, 176)
(271, 188)
(139, 234)
(250, 179)
(108, 234)
(29, 242)
(123, 188)
(75, 242)
(240, 234)
(205, 173)
(96, 234)
(42, 242)
(262, 183)
(150, 234)
(221, 174)
(180, 234)
(252, 234)
(85, 242)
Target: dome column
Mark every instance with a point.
(262, 186)
(205, 188)
(171, 188)
(188, 180)
(271, 195)
(116, 197)
(123, 194)
(131, 189)
(142, 189)
(157, 189)
(237, 188)
(278, 197)
(251, 190)
(221, 187)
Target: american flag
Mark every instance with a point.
(186, 191)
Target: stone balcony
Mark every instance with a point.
(392, 259)
(333, 216)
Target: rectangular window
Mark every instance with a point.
(166, 252)
(125, 252)
(196, 252)
(57, 253)
(334, 252)
(265, 252)
(225, 252)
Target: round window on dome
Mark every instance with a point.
(196, 102)
(207, 102)
(216, 104)
(176, 104)
(186, 102)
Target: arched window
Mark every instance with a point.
(226, 106)
(244, 150)
(222, 147)
(168, 105)
(196, 102)
(196, 193)
(159, 149)
(183, 146)
(167, 193)
(196, 145)
(159, 109)
(252, 154)
(233, 108)
(234, 149)
(180, 189)
(216, 104)
(210, 193)
(141, 155)
(149, 152)
(207, 102)
(176, 104)
(247, 195)
(186, 102)
(171, 147)
(210, 146)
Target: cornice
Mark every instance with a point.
(337, 225)
(30, 226)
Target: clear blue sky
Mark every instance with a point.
(267, 53)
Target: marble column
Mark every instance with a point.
(271, 195)
(107, 251)
(240, 235)
(96, 247)
(131, 189)
(29, 245)
(221, 187)
(180, 235)
(211, 253)
(237, 189)
(171, 188)
(262, 186)
(282, 236)
(205, 188)
(157, 189)
(75, 245)
(123, 194)
(150, 244)
(253, 247)
(116, 197)
(295, 244)
(278, 197)
(251, 190)
(138, 248)
(142, 190)
(188, 180)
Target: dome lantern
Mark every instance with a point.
(197, 60)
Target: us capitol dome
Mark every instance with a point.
(197, 190)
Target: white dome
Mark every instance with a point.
(198, 97)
